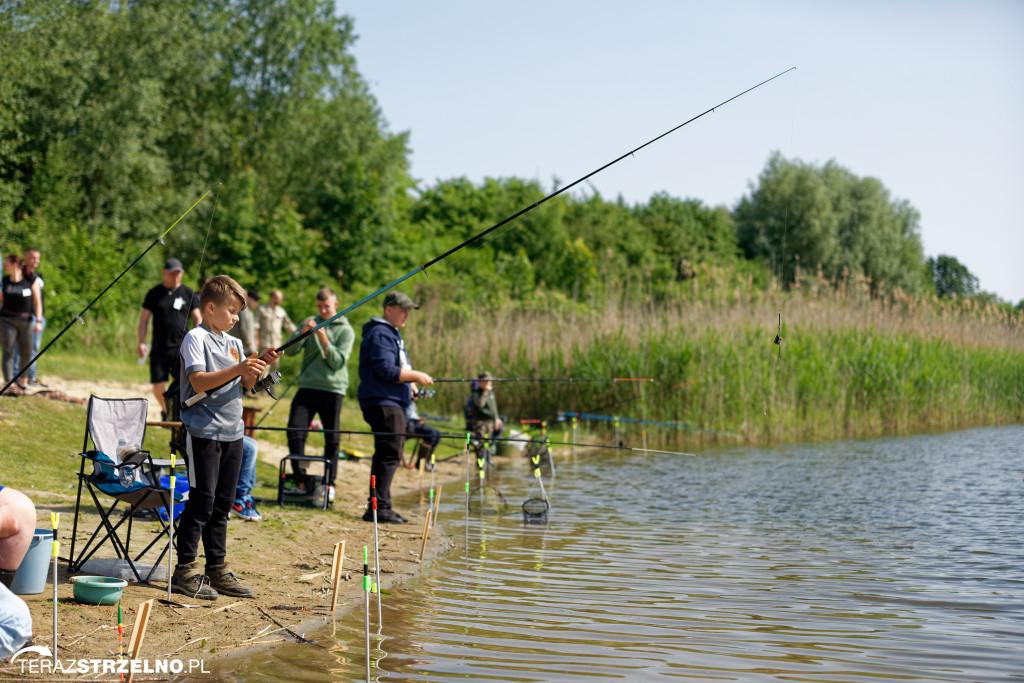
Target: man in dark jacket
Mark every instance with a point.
(384, 394)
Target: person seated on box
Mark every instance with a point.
(244, 506)
(17, 527)
(417, 427)
(485, 422)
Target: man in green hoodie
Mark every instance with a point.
(323, 382)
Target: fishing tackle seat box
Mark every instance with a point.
(301, 489)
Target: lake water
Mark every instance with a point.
(897, 558)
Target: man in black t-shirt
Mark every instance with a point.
(170, 304)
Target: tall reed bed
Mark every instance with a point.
(850, 365)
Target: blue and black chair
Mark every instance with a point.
(121, 479)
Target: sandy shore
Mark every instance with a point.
(286, 559)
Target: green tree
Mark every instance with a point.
(952, 278)
(829, 216)
(686, 231)
(615, 237)
(119, 115)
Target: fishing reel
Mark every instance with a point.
(264, 384)
(425, 393)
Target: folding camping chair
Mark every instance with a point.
(122, 472)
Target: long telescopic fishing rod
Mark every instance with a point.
(548, 379)
(630, 420)
(462, 436)
(158, 240)
(519, 213)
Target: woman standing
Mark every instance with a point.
(20, 299)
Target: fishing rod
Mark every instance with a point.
(548, 379)
(158, 240)
(613, 418)
(461, 437)
(479, 235)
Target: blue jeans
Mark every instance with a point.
(247, 474)
(37, 338)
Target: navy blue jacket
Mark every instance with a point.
(381, 354)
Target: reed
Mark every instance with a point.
(852, 364)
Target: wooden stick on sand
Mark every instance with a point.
(339, 558)
(437, 504)
(138, 633)
(426, 528)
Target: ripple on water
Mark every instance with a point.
(851, 561)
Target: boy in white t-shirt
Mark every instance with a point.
(213, 362)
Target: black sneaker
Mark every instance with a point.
(36, 383)
(223, 580)
(385, 516)
(188, 580)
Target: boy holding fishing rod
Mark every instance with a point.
(215, 366)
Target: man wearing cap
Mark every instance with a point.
(486, 422)
(384, 394)
(170, 304)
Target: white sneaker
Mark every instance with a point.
(318, 496)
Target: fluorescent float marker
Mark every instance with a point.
(376, 547)
(170, 531)
(120, 635)
(366, 608)
(54, 522)
(432, 468)
(465, 457)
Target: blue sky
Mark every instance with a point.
(926, 96)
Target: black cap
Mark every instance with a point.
(485, 375)
(172, 264)
(399, 299)
(253, 294)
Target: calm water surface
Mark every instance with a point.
(875, 560)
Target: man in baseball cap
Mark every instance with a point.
(384, 395)
(401, 300)
(170, 304)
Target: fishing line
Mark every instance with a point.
(547, 379)
(785, 232)
(78, 318)
(629, 420)
(199, 270)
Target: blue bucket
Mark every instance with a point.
(30, 578)
(180, 491)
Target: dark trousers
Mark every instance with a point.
(306, 404)
(16, 334)
(387, 447)
(212, 477)
(429, 435)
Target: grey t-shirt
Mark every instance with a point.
(219, 415)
